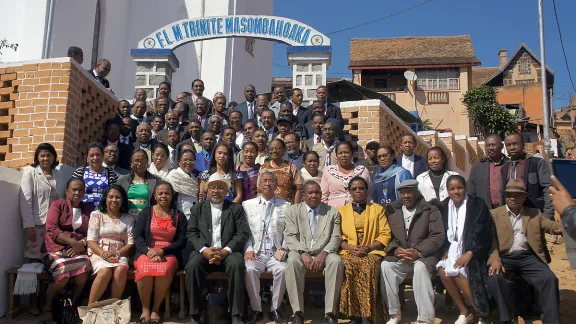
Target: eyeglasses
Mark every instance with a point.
(381, 156)
(216, 188)
(139, 162)
(267, 181)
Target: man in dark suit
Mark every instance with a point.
(144, 140)
(217, 231)
(101, 72)
(330, 110)
(124, 110)
(485, 174)
(301, 113)
(112, 132)
(409, 160)
(318, 108)
(532, 170)
(268, 124)
(172, 122)
(248, 107)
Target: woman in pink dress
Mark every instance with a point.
(336, 177)
(159, 236)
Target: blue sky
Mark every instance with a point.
(493, 24)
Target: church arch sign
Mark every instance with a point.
(284, 30)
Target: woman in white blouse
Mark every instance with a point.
(432, 183)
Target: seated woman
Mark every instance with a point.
(388, 177)
(161, 164)
(311, 163)
(110, 241)
(365, 234)
(249, 170)
(139, 184)
(184, 181)
(95, 175)
(222, 162)
(159, 236)
(290, 181)
(336, 177)
(432, 183)
(463, 269)
(66, 257)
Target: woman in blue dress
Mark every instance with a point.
(388, 177)
(96, 176)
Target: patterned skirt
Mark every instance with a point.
(61, 266)
(360, 295)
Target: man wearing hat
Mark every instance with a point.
(217, 231)
(519, 247)
(417, 235)
(370, 161)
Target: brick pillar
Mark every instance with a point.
(309, 65)
(153, 66)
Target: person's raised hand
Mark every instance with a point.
(560, 196)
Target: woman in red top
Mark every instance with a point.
(67, 259)
(159, 236)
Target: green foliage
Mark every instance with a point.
(427, 125)
(487, 116)
(4, 44)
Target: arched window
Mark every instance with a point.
(96, 38)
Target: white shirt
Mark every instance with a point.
(408, 215)
(216, 210)
(295, 111)
(316, 137)
(519, 243)
(76, 218)
(239, 138)
(408, 163)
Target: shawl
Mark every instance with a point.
(393, 171)
(183, 183)
(162, 173)
(306, 175)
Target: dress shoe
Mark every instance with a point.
(330, 318)
(194, 319)
(255, 317)
(237, 319)
(276, 316)
(298, 318)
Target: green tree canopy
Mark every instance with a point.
(486, 114)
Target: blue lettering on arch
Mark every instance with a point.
(279, 26)
(192, 28)
(299, 33)
(160, 40)
(236, 25)
(229, 25)
(250, 28)
(286, 30)
(203, 27)
(185, 27)
(258, 26)
(292, 35)
(304, 39)
(213, 25)
(177, 33)
(265, 23)
(168, 41)
(243, 22)
(219, 26)
(272, 28)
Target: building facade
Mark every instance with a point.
(109, 29)
(442, 65)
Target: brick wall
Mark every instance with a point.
(54, 101)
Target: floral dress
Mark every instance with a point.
(249, 181)
(111, 235)
(289, 179)
(163, 233)
(335, 184)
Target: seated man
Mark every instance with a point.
(313, 236)
(217, 231)
(519, 248)
(412, 251)
(264, 251)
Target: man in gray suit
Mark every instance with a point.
(248, 107)
(313, 236)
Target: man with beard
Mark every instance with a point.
(485, 175)
(203, 157)
(293, 152)
(248, 107)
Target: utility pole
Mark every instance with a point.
(545, 102)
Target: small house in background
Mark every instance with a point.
(442, 66)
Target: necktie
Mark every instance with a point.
(318, 139)
(513, 171)
(313, 221)
(250, 110)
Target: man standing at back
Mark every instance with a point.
(76, 54)
(301, 113)
(248, 107)
(313, 236)
(198, 92)
(101, 72)
(409, 160)
(280, 95)
(330, 110)
(485, 175)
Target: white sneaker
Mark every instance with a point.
(465, 319)
(394, 319)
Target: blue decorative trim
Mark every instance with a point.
(314, 49)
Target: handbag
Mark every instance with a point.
(109, 311)
(217, 310)
(65, 313)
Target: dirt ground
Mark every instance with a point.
(559, 264)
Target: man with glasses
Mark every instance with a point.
(264, 251)
(112, 132)
(217, 246)
(111, 159)
(485, 175)
(293, 152)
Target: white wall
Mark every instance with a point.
(23, 22)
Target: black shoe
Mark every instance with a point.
(276, 316)
(255, 317)
(298, 318)
(194, 319)
(330, 318)
(237, 319)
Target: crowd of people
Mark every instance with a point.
(272, 186)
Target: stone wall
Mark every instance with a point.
(54, 101)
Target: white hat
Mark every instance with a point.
(217, 177)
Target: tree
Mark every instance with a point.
(486, 114)
(427, 125)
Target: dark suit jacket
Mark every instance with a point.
(303, 115)
(102, 80)
(426, 233)
(137, 144)
(243, 108)
(331, 112)
(234, 227)
(124, 157)
(309, 131)
(420, 164)
(118, 121)
(143, 236)
(162, 136)
(479, 182)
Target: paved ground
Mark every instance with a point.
(560, 266)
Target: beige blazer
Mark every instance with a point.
(256, 214)
(299, 237)
(35, 194)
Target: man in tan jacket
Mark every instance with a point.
(520, 248)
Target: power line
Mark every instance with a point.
(562, 44)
